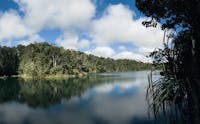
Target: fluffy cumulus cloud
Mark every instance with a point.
(71, 40)
(40, 14)
(131, 55)
(103, 51)
(118, 24)
(12, 26)
(57, 13)
(108, 52)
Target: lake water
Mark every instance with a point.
(106, 98)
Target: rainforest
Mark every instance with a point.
(44, 60)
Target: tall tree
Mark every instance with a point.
(182, 61)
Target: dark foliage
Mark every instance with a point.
(179, 86)
(8, 61)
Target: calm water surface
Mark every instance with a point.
(107, 98)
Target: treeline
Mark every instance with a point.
(41, 59)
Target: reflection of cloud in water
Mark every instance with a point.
(116, 109)
(18, 114)
(108, 87)
(116, 102)
(120, 109)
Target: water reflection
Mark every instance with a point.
(112, 98)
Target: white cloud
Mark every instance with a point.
(131, 55)
(41, 14)
(84, 43)
(103, 51)
(122, 48)
(32, 39)
(106, 51)
(57, 13)
(71, 41)
(118, 24)
(145, 50)
(12, 26)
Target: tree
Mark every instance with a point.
(8, 61)
(181, 74)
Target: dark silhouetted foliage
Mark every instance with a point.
(179, 85)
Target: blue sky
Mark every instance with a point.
(107, 28)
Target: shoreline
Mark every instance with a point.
(57, 76)
(24, 76)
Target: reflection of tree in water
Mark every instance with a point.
(44, 93)
(9, 90)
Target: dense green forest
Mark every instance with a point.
(43, 59)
